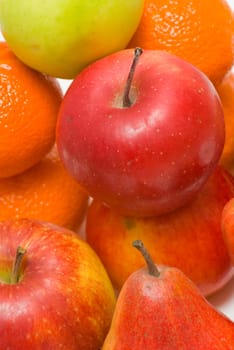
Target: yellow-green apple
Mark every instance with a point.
(189, 238)
(61, 37)
(54, 291)
(163, 309)
(227, 225)
(147, 146)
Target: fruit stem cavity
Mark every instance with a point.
(20, 252)
(152, 268)
(126, 98)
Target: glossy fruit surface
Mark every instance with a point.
(46, 192)
(61, 291)
(61, 37)
(189, 238)
(200, 32)
(149, 158)
(166, 312)
(28, 113)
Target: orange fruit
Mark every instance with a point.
(226, 94)
(29, 103)
(199, 31)
(44, 192)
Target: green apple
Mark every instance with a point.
(61, 37)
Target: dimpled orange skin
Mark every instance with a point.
(200, 32)
(29, 103)
(44, 192)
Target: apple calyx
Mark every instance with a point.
(152, 268)
(126, 99)
(15, 273)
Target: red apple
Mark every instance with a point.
(190, 238)
(227, 225)
(149, 151)
(57, 295)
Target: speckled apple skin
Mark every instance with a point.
(64, 298)
(154, 156)
(166, 312)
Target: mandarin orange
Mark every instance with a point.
(44, 192)
(201, 32)
(29, 103)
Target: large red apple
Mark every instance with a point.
(147, 151)
(57, 295)
(190, 238)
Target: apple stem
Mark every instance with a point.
(20, 252)
(152, 268)
(126, 99)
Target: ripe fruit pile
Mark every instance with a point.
(140, 150)
(33, 181)
(199, 32)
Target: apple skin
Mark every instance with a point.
(227, 224)
(61, 37)
(153, 157)
(166, 312)
(189, 238)
(64, 298)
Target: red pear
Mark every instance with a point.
(165, 310)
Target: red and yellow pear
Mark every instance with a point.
(162, 310)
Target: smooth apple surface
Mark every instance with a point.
(149, 158)
(61, 37)
(63, 298)
(189, 238)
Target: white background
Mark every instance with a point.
(224, 299)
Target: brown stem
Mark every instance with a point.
(126, 99)
(152, 268)
(17, 264)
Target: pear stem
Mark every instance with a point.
(152, 268)
(126, 99)
(20, 252)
